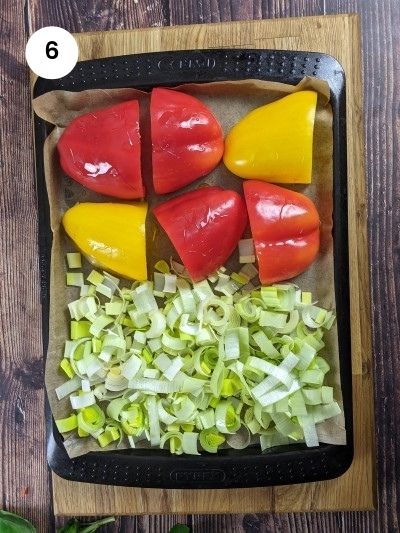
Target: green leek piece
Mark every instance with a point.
(162, 266)
(146, 353)
(226, 419)
(100, 323)
(91, 419)
(306, 298)
(96, 345)
(210, 440)
(312, 377)
(67, 424)
(174, 437)
(242, 279)
(74, 279)
(74, 260)
(269, 296)
(80, 329)
(114, 308)
(312, 396)
(95, 278)
(230, 387)
(108, 436)
(65, 365)
(272, 319)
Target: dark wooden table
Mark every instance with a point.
(24, 477)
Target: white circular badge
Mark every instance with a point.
(51, 52)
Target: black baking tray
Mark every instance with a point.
(229, 468)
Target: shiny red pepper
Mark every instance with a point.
(285, 227)
(187, 139)
(205, 226)
(101, 151)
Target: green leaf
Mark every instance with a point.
(180, 528)
(74, 526)
(70, 527)
(12, 523)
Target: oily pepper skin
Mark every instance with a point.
(205, 226)
(274, 142)
(187, 140)
(101, 151)
(111, 236)
(285, 228)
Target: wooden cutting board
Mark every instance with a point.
(339, 36)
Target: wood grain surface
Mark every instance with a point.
(24, 478)
(339, 36)
(24, 481)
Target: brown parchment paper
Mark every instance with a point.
(229, 101)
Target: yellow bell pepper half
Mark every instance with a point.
(274, 142)
(112, 236)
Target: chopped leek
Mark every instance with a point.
(68, 387)
(67, 424)
(162, 266)
(74, 279)
(74, 260)
(195, 366)
(84, 399)
(80, 329)
(95, 278)
(110, 435)
(65, 365)
(91, 419)
(211, 439)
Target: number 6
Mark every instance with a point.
(51, 50)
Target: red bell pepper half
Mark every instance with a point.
(187, 140)
(204, 226)
(101, 151)
(285, 227)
